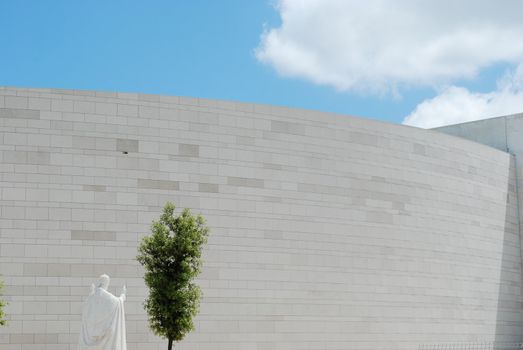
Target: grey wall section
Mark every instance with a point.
(506, 134)
(328, 231)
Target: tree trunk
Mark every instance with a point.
(170, 344)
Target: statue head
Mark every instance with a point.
(103, 282)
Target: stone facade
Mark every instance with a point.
(327, 231)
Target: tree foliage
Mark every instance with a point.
(171, 256)
(2, 304)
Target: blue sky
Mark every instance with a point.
(217, 49)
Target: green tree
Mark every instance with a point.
(171, 256)
(2, 304)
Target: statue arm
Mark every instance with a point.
(123, 296)
(92, 290)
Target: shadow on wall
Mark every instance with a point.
(509, 319)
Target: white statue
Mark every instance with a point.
(103, 319)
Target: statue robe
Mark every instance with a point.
(103, 322)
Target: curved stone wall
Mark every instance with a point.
(328, 231)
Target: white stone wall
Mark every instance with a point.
(328, 231)
(506, 134)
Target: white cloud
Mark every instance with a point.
(380, 45)
(457, 105)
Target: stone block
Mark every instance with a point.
(18, 102)
(245, 182)
(93, 235)
(208, 187)
(84, 107)
(60, 270)
(40, 104)
(24, 338)
(39, 158)
(158, 184)
(105, 108)
(187, 150)
(127, 198)
(13, 193)
(47, 338)
(287, 127)
(127, 110)
(95, 188)
(62, 106)
(84, 142)
(127, 145)
(39, 140)
(14, 157)
(31, 269)
(105, 144)
(19, 113)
